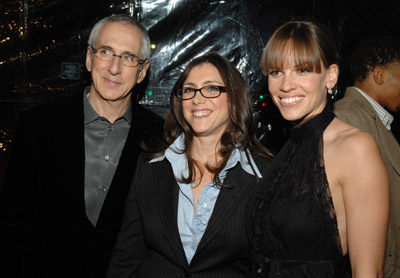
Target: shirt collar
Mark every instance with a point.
(383, 114)
(91, 115)
(174, 154)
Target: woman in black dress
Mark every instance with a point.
(326, 194)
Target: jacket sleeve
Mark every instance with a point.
(127, 254)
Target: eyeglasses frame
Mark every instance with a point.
(222, 89)
(140, 61)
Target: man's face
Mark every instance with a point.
(111, 80)
(391, 95)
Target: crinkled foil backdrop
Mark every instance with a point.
(43, 45)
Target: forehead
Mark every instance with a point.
(121, 36)
(203, 74)
(287, 54)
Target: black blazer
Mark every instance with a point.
(149, 244)
(42, 206)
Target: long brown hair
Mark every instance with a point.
(239, 133)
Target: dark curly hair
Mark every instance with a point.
(378, 51)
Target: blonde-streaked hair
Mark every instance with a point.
(309, 45)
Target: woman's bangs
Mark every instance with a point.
(306, 56)
(292, 53)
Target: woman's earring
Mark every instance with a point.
(330, 91)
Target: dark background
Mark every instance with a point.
(38, 39)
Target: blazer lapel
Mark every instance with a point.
(390, 146)
(126, 167)
(122, 178)
(167, 194)
(240, 183)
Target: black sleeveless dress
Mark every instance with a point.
(292, 228)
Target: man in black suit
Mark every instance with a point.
(72, 162)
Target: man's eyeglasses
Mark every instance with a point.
(107, 54)
(210, 91)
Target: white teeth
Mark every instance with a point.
(201, 113)
(291, 99)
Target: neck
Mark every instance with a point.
(205, 150)
(109, 109)
(368, 87)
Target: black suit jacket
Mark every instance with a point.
(149, 244)
(42, 206)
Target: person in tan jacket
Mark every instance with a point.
(375, 71)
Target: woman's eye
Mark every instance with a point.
(212, 88)
(274, 73)
(187, 90)
(302, 71)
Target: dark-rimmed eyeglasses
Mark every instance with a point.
(210, 91)
(106, 54)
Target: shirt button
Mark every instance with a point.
(107, 157)
(204, 205)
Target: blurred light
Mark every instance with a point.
(4, 40)
(150, 93)
(153, 46)
(261, 96)
(263, 104)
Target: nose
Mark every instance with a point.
(115, 66)
(198, 98)
(287, 83)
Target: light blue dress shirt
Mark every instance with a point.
(192, 227)
(384, 115)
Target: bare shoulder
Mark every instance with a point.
(350, 152)
(349, 140)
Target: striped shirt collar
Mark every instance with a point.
(384, 115)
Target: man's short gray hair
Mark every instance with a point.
(144, 52)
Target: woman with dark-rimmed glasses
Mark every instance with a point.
(185, 213)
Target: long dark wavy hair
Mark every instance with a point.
(239, 133)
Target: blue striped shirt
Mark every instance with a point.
(192, 227)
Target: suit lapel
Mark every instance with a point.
(228, 201)
(126, 167)
(122, 178)
(167, 194)
(390, 146)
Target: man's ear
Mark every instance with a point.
(143, 71)
(333, 75)
(89, 59)
(378, 74)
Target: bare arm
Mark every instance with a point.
(366, 200)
